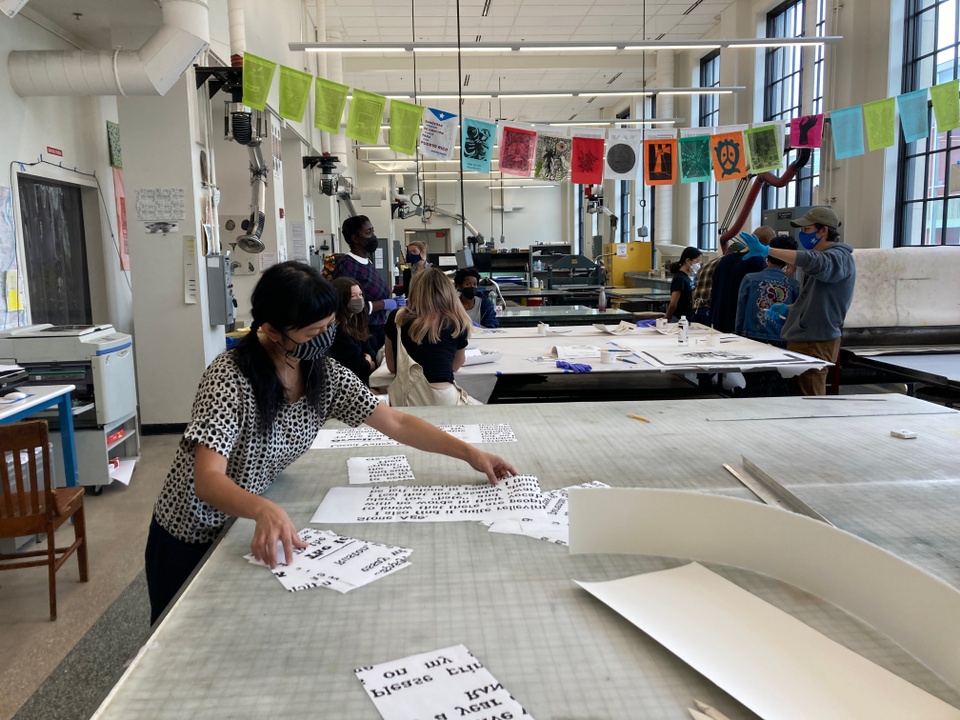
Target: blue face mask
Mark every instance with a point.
(315, 347)
(413, 259)
(808, 241)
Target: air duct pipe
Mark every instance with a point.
(251, 241)
(151, 70)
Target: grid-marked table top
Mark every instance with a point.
(237, 645)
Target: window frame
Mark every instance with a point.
(708, 212)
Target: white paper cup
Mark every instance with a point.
(713, 340)
(661, 323)
(542, 328)
(607, 356)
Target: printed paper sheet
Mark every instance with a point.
(383, 468)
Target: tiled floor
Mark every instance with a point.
(30, 645)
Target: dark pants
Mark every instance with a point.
(377, 333)
(168, 562)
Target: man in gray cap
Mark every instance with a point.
(813, 322)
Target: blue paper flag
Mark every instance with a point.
(477, 144)
(846, 126)
(914, 118)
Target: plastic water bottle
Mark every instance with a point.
(683, 331)
(602, 300)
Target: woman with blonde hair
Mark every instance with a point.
(426, 343)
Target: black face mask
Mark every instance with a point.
(469, 292)
(371, 244)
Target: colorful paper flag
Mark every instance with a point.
(695, 164)
(806, 131)
(404, 126)
(439, 134)
(729, 156)
(660, 167)
(914, 119)
(586, 164)
(366, 114)
(623, 155)
(476, 144)
(552, 158)
(330, 99)
(946, 105)
(294, 91)
(764, 151)
(846, 128)
(517, 146)
(880, 117)
(257, 78)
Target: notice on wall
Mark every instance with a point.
(161, 204)
(446, 683)
(513, 497)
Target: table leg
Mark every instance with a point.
(69, 441)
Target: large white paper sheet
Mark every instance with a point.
(448, 683)
(575, 352)
(771, 662)
(512, 497)
(916, 610)
(365, 436)
(382, 468)
(336, 562)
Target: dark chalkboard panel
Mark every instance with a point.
(56, 255)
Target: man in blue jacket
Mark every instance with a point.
(759, 291)
(813, 324)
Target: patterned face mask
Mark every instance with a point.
(315, 347)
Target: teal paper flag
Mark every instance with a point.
(913, 115)
(695, 161)
(846, 127)
(477, 144)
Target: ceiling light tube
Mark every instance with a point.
(570, 48)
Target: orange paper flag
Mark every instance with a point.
(660, 167)
(729, 156)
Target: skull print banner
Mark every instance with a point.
(729, 157)
(477, 143)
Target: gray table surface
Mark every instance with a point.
(237, 645)
(935, 368)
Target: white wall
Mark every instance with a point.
(77, 126)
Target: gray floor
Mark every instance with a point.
(32, 647)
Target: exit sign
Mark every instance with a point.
(54, 151)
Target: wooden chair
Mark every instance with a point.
(29, 506)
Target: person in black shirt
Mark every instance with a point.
(681, 288)
(352, 346)
(426, 343)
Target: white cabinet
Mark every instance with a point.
(97, 445)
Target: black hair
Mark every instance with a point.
(783, 242)
(832, 233)
(289, 296)
(463, 273)
(352, 226)
(689, 253)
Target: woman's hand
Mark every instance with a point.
(370, 362)
(493, 466)
(273, 526)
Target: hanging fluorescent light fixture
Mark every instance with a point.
(547, 94)
(608, 46)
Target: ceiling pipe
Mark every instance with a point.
(151, 70)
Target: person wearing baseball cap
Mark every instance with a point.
(813, 323)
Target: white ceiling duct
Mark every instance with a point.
(151, 70)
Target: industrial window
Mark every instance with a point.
(782, 97)
(626, 198)
(928, 178)
(820, 30)
(707, 192)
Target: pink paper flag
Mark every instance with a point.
(806, 131)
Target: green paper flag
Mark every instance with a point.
(294, 91)
(880, 118)
(331, 98)
(404, 126)
(257, 77)
(366, 113)
(946, 105)
(763, 149)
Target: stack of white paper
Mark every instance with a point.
(552, 524)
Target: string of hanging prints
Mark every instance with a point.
(587, 156)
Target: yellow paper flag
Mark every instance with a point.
(880, 118)
(404, 126)
(257, 78)
(294, 91)
(331, 98)
(946, 105)
(366, 113)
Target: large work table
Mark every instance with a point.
(524, 365)
(237, 645)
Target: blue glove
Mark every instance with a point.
(477, 325)
(390, 305)
(755, 247)
(573, 367)
(401, 301)
(777, 311)
(647, 323)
